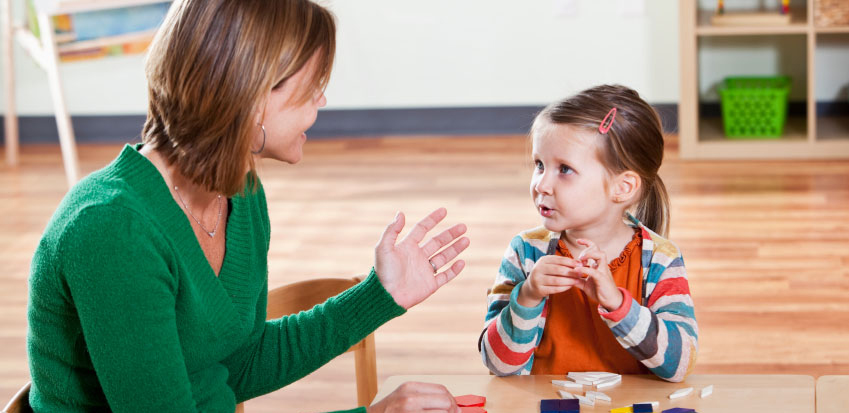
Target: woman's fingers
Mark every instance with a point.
(427, 223)
(390, 234)
(448, 275)
(428, 396)
(444, 238)
(449, 253)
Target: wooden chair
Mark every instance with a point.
(20, 402)
(303, 295)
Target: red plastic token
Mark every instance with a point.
(468, 400)
(472, 409)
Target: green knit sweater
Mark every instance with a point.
(126, 314)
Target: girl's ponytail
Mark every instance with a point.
(653, 208)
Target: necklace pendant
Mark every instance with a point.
(211, 234)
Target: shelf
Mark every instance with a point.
(834, 29)
(798, 25)
(106, 41)
(54, 7)
(708, 52)
(833, 128)
(793, 145)
(710, 130)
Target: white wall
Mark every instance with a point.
(436, 53)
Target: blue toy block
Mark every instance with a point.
(549, 405)
(643, 408)
(559, 406)
(570, 404)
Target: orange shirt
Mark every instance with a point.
(575, 336)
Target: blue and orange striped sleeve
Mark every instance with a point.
(511, 331)
(662, 333)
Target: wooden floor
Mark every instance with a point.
(766, 246)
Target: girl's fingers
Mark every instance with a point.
(584, 272)
(558, 260)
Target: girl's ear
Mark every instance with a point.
(626, 187)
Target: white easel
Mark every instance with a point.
(44, 52)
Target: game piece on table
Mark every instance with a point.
(643, 408)
(609, 382)
(679, 410)
(681, 392)
(598, 395)
(706, 391)
(549, 405)
(654, 405)
(472, 409)
(586, 401)
(568, 384)
(626, 409)
(566, 395)
(468, 400)
(569, 404)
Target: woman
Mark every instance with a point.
(148, 289)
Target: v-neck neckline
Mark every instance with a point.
(228, 290)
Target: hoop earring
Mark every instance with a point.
(263, 141)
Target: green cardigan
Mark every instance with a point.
(126, 314)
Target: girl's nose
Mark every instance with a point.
(543, 184)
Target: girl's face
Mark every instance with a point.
(569, 182)
(286, 121)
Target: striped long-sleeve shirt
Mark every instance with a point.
(659, 329)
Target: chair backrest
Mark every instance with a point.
(20, 402)
(304, 295)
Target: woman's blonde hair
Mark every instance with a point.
(634, 142)
(209, 70)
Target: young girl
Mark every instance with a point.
(558, 305)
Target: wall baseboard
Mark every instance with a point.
(496, 120)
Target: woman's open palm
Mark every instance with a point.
(409, 271)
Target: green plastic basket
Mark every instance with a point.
(754, 107)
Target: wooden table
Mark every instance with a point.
(832, 394)
(731, 393)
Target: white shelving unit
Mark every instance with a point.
(44, 52)
(804, 137)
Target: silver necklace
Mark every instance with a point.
(208, 232)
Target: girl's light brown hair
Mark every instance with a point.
(210, 68)
(633, 143)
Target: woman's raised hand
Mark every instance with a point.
(409, 272)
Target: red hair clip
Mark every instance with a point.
(610, 115)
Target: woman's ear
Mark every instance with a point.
(626, 187)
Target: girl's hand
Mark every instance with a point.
(414, 397)
(551, 274)
(407, 270)
(598, 284)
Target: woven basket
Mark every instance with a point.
(831, 13)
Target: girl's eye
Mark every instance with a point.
(538, 165)
(565, 170)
